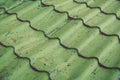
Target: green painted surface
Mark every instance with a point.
(49, 55)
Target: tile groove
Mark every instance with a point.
(99, 8)
(26, 58)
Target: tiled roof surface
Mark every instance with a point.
(59, 40)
